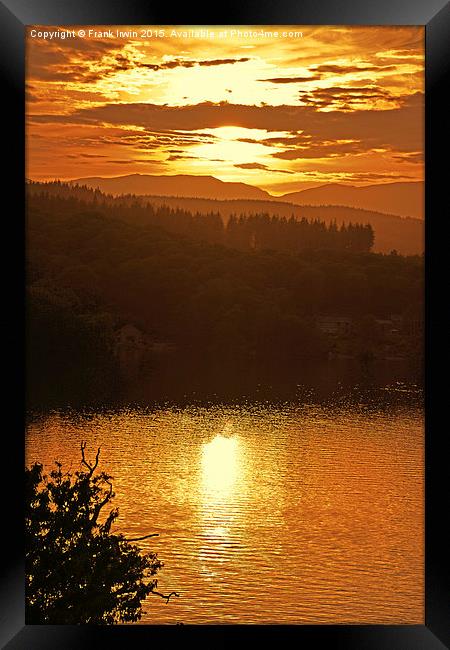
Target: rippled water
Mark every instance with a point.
(265, 514)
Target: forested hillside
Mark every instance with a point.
(93, 267)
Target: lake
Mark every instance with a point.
(266, 513)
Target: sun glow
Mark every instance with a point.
(222, 483)
(264, 113)
(220, 465)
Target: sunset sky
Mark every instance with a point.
(340, 104)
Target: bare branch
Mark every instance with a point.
(97, 456)
(90, 467)
(172, 593)
(138, 539)
(100, 505)
(83, 459)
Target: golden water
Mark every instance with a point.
(295, 514)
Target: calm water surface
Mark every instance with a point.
(265, 514)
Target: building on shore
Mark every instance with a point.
(335, 325)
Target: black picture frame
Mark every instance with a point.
(435, 16)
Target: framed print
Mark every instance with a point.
(226, 227)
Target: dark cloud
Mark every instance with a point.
(128, 161)
(321, 150)
(186, 63)
(321, 70)
(291, 80)
(187, 157)
(144, 141)
(410, 157)
(402, 56)
(249, 140)
(79, 61)
(345, 90)
(349, 95)
(277, 140)
(179, 157)
(63, 63)
(31, 97)
(395, 128)
(346, 69)
(261, 166)
(86, 155)
(405, 54)
(224, 61)
(122, 63)
(373, 176)
(251, 166)
(360, 83)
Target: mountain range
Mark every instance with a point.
(206, 187)
(402, 199)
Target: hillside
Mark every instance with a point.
(403, 199)
(178, 185)
(95, 265)
(406, 235)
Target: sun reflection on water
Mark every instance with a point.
(313, 503)
(221, 487)
(220, 465)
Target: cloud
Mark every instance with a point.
(409, 157)
(303, 124)
(188, 63)
(223, 61)
(345, 90)
(86, 155)
(128, 161)
(182, 156)
(30, 96)
(351, 69)
(261, 166)
(141, 140)
(88, 61)
(373, 176)
(77, 61)
(291, 80)
(251, 166)
(348, 96)
(320, 71)
(398, 128)
(187, 157)
(327, 149)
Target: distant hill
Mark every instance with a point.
(404, 234)
(404, 199)
(206, 187)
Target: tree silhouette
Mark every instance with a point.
(77, 571)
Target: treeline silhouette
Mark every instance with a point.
(244, 232)
(262, 231)
(92, 268)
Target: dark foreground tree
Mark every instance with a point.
(77, 571)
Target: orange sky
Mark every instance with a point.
(339, 104)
